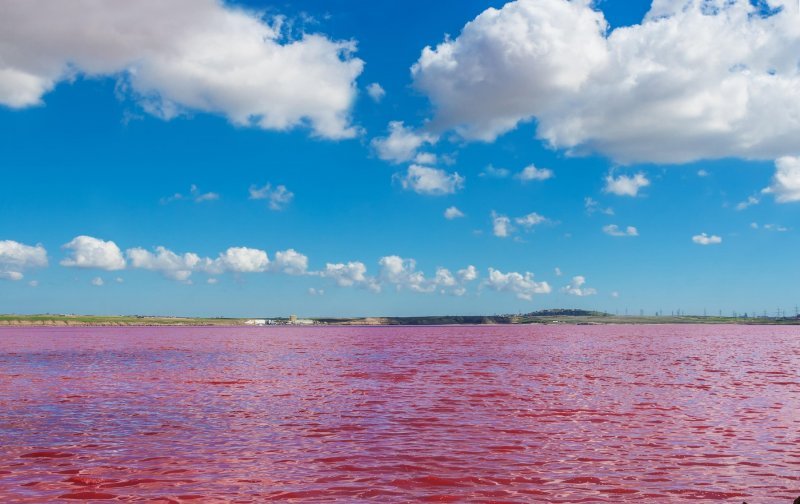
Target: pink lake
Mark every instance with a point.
(398, 414)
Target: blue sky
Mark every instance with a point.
(659, 141)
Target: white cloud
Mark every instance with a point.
(119, 280)
(523, 286)
(290, 262)
(431, 181)
(278, 198)
(11, 275)
(785, 185)
(444, 278)
(247, 260)
(625, 185)
(491, 171)
(615, 294)
(530, 220)
(402, 143)
(532, 173)
(576, 288)
(468, 274)
(351, 274)
(501, 225)
(769, 227)
(453, 213)
(402, 273)
(17, 257)
(425, 158)
(557, 271)
(447, 283)
(180, 267)
(182, 56)
(702, 173)
(592, 206)
(704, 239)
(212, 281)
(98, 282)
(164, 261)
(376, 92)
(34, 283)
(776, 227)
(750, 201)
(194, 195)
(614, 230)
(696, 79)
(89, 252)
(495, 74)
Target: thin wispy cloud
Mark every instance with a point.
(194, 195)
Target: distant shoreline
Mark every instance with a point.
(591, 318)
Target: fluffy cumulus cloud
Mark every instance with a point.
(696, 79)
(243, 260)
(577, 287)
(277, 198)
(468, 274)
(17, 257)
(785, 185)
(164, 261)
(290, 262)
(401, 144)
(532, 173)
(182, 56)
(614, 230)
(351, 274)
(625, 185)
(431, 181)
(403, 274)
(522, 285)
(90, 252)
(705, 239)
(180, 267)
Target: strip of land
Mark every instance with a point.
(573, 317)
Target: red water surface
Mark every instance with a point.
(439, 414)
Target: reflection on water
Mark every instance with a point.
(461, 414)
